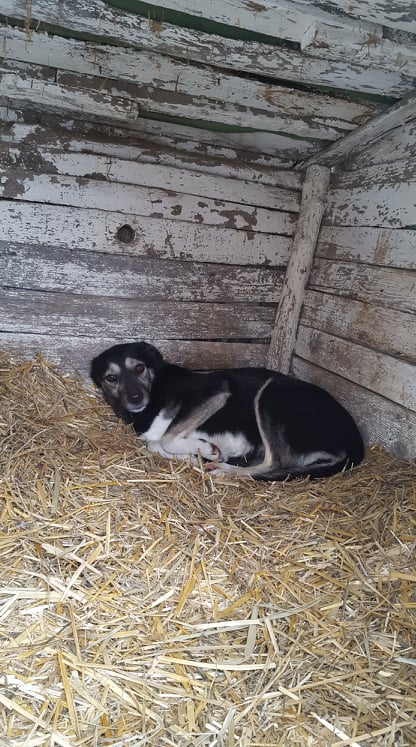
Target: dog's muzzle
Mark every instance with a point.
(136, 405)
(135, 399)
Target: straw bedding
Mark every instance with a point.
(145, 603)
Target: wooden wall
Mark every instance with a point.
(357, 333)
(201, 277)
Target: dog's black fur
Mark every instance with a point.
(246, 421)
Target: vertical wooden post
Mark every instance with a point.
(312, 208)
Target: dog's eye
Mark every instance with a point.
(111, 378)
(140, 368)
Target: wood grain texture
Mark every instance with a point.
(380, 420)
(382, 329)
(253, 145)
(341, 52)
(396, 116)
(161, 83)
(377, 246)
(299, 266)
(91, 274)
(383, 286)
(151, 201)
(395, 145)
(392, 174)
(63, 314)
(398, 14)
(173, 147)
(375, 50)
(286, 21)
(17, 89)
(73, 354)
(228, 54)
(394, 379)
(193, 179)
(95, 230)
(300, 114)
(178, 180)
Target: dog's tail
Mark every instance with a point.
(324, 464)
(314, 470)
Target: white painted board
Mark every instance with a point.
(96, 230)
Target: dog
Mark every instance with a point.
(249, 422)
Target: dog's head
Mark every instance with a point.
(125, 374)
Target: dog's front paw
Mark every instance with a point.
(209, 451)
(219, 468)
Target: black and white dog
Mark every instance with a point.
(244, 421)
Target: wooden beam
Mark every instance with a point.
(395, 116)
(311, 211)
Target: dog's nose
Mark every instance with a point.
(137, 397)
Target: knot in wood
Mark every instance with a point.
(125, 234)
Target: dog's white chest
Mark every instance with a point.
(161, 422)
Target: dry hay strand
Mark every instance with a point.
(145, 603)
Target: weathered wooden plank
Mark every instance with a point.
(392, 174)
(73, 354)
(379, 246)
(385, 330)
(66, 314)
(216, 187)
(397, 14)
(96, 230)
(36, 139)
(151, 201)
(395, 116)
(380, 420)
(107, 68)
(309, 115)
(253, 145)
(318, 32)
(386, 206)
(192, 180)
(93, 273)
(392, 378)
(383, 286)
(354, 39)
(284, 20)
(275, 19)
(395, 145)
(44, 94)
(298, 113)
(298, 269)
(375, 50)
(112, 62)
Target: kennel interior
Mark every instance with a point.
(236, 183)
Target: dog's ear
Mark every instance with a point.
(95, 371)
